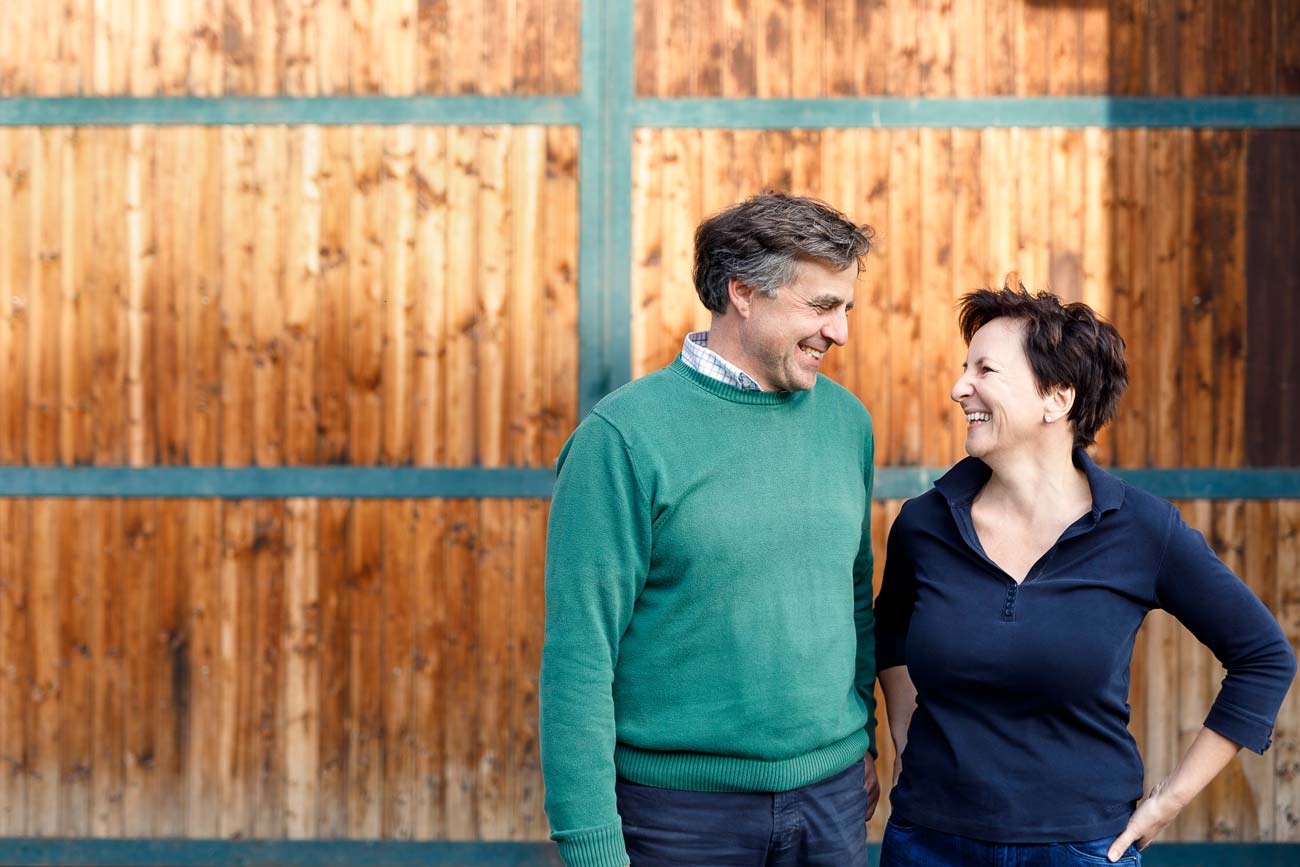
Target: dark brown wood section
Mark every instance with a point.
(1272, 409)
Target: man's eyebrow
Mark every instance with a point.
(831, 301)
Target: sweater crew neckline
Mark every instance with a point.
(730, 392)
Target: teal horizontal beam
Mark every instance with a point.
(92, 852)
(883, 112)
(892, 483)
(237, 483)
(309, 110)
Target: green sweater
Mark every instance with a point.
(708, 599)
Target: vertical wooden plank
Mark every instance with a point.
(838, 186)
(527, 627)
(563, 53)
(673, 48)
(302, 295)
(708, 41)
(1096, 37)
(1229, 148)
(106, 287)
(142, 286)
(397, 599)
(971, 66)
(53, 694)
(206, 69)
(77, 329)
(335, 669)
(429, 716)
(1288, 53)
(739, 43)
(366, 297)
(265, 770)
(524, 408)
(235, 665)
(109, 746)
(773, 59)
(268, 337)
(202, 563)
(200, 229)
(433, 48)
(1160, 671)
(1065, 214)
(332, 389)
(1064, 49)
(560, 313)
(461, 323)
(46, 254)
(1131, 283)
(498, 26)
(1163, 411)
(1127, 74)
(1286, 733)
(902, 77)
(1162, 48)
(238, 47)
(398, 190)
(1002, 23)
(1193, 693)
(302, 668)
(1226, 56)
(428, 307)
(1000, 153)
(1034, 158)
(169, 669)
(15, 692)
(528, 48)
(647, 245)
(1033, 29)
(938, 414)
(170, 345)
(1272, 369)
(935, 46)
(1200, 291)
(365, 781)
(238, 220)
(397, 21)
(970, 271)
(495, 269)
(461, 669)
(903, 437)
(807, 48)
(1099, 215)
(1194, 47)
(496, 686)
(681, 213)
(464, 43)
(141, 791)
(871, 358)
(1261, 47)
(75, 649)
(649, 20)
(871, 39)
(15, 199)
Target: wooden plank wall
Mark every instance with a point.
(293, 47)
(828, 48)
(407, 295)
(272, 295)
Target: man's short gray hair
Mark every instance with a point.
(762, 240)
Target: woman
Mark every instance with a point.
(1012, 594)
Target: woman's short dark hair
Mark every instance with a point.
(761, 241)
(1067, 346)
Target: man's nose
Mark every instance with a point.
(837, 329)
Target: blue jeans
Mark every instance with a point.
(822, 824)
(908, 845)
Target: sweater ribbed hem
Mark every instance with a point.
(702, 772)
(726, 391)
(593, 847)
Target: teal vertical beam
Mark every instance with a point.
(605, 201)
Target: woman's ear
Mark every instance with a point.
(1058, 404)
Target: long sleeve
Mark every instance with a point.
(597, 558)
(1224, 615)
(863, 617)
(897, 596)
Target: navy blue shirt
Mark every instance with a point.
(1020, 733)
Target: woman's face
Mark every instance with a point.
(997, 391)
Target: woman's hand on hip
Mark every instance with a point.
(1148, 820)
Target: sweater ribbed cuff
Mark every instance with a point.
(1240, 726)
(594, 847)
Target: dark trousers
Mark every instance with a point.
(822, 824)
(909, 845)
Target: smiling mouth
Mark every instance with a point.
(974, 418)
(815, 354)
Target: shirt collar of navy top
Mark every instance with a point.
(960, 484)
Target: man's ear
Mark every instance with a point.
(741, 296)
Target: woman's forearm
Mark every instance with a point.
(900, 702)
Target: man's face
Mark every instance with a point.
(784, 338)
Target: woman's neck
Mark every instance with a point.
(1036, 483)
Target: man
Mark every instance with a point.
(707, 678)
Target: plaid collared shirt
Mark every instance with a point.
(697, 356)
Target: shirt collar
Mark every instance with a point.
(697, 356)
(961, 483)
